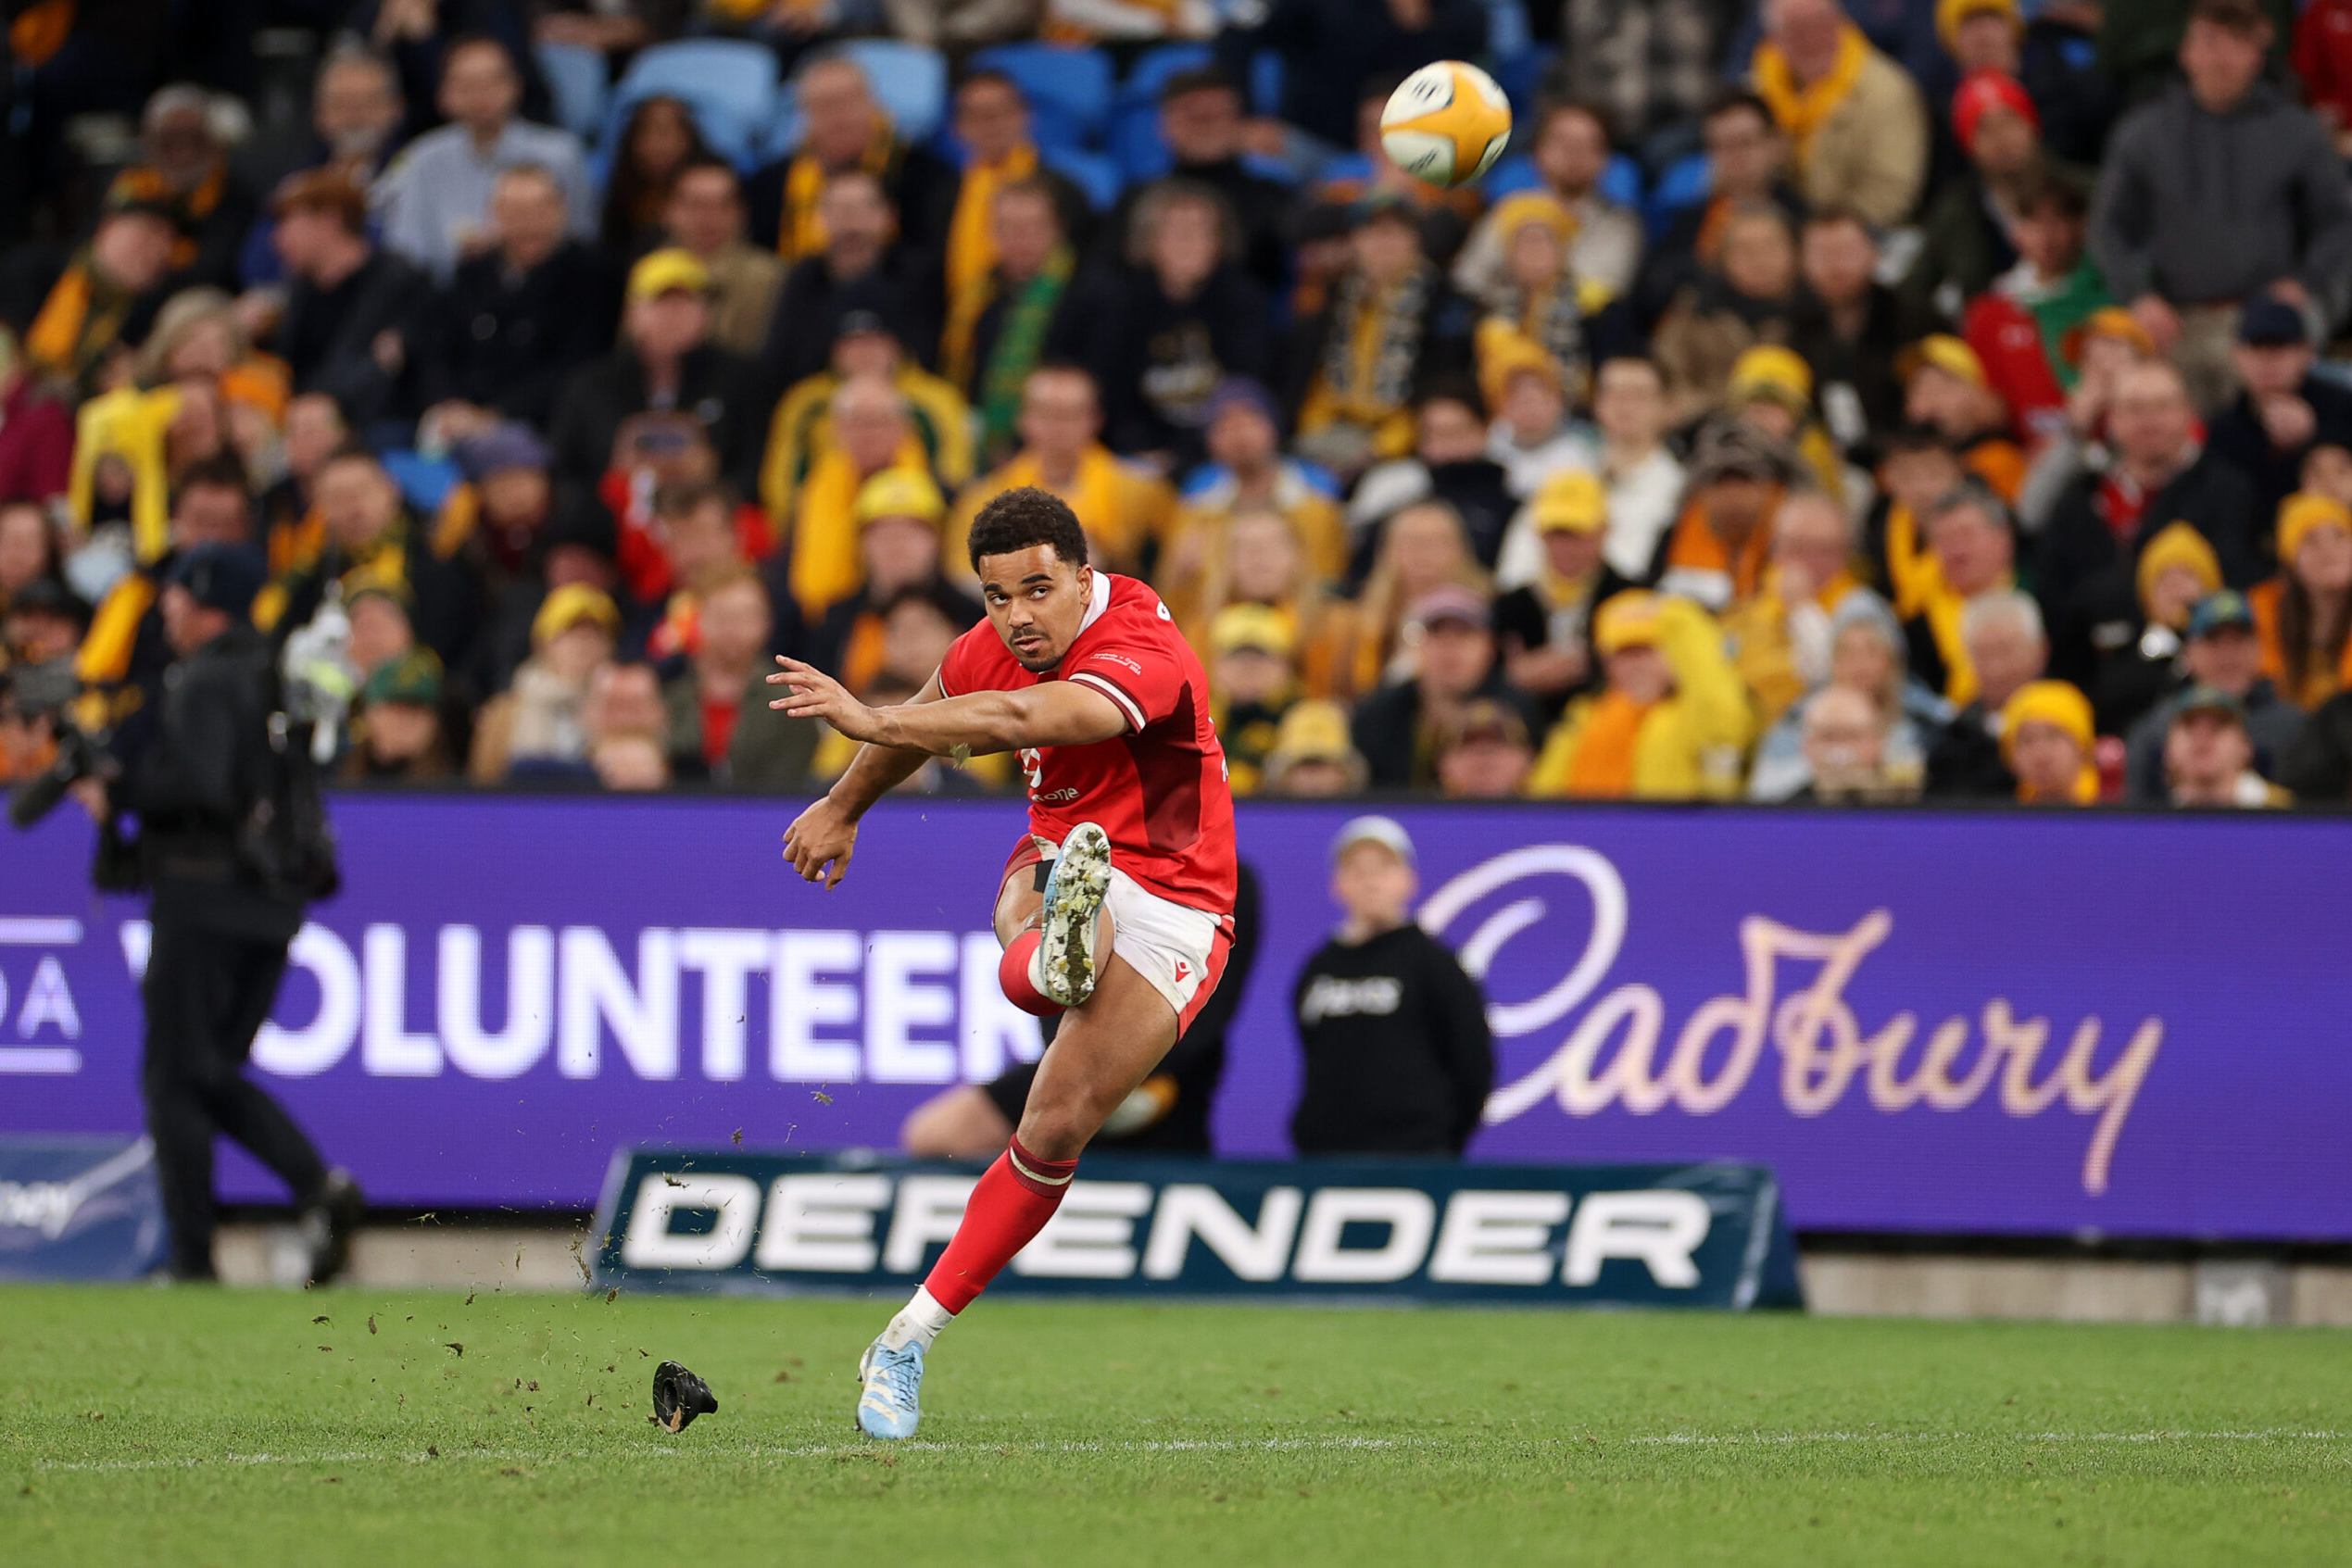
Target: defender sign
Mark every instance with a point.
(1692, 1236)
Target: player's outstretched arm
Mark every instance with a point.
(1050, 713)
(821, 838)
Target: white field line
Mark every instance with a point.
(692, 1450)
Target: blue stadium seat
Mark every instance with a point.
(1135, 118)
(732, 134)
(729, 70)
(909, 80)
(578, 82)
(1508, 178)
(1682, 184)
(424, 482)
(1068, 89)
(1092, 173)
(729, 84)
(1621, 182)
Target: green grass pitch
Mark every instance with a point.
(148, 1426)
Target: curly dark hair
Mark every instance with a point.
(1020, 518)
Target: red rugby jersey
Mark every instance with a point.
(1159, 791)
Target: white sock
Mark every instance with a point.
(919, 1321)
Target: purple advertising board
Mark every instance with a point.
(1954, 1022)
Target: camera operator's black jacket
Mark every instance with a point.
(196, 780)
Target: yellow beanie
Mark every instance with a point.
(1950, 14)
(2046, 702)
(2179, 545)
(2302, 512)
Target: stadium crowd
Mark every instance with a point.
(1915, 397)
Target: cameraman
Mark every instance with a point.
(220, 933)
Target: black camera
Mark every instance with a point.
(48, 691)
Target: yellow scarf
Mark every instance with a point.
(1913, 573)
(972, 240)
(1801, 111)
(1603, 766)
(825, 569)
(802, 232)
(1095, 495)
(2085, 791)
(1943, 608)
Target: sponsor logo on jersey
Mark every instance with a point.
(1120, 660)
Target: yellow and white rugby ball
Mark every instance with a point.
(1446, 124)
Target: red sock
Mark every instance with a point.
(1012, 1202)
(1012, 973)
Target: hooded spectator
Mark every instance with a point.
(1599, 242)
(1670, 722)
(1858, 131)
(434, 202)
(2219, 192)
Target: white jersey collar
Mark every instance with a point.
(1101, 601)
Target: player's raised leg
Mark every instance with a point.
(1103, 1051)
